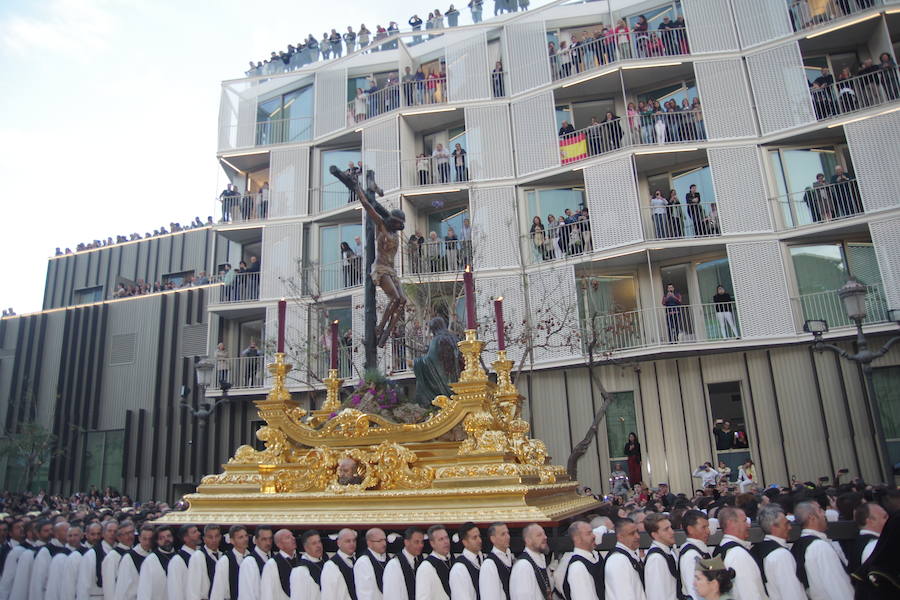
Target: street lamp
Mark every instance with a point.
(205, 371)
(853, 297)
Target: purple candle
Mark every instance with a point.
(334, 345)
(282, 310)
(470, 297)
(498, 314)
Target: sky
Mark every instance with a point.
(108, 117)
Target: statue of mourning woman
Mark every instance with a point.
(440, 366)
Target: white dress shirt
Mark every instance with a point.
(394, 582)
(86, 586)
(334, 586)
(658, 581)
(22, 582)
(40, 571)
(581, 582)
(826, 575)
(428, 584)
(687, 563)
(270, 582)
(109, 569)
(748, 583)
(622, 581)
(249, 577)
(523, 584)
(364, 577)
(781, 573)
(128, 576)
(489, 583)
(198, 584)
(461, 586)
(303, 586)
(9, 570)
(176, 577)
(58, 578)
(867, 551)
(221, 587)
(152, 584)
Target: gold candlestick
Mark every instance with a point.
(471, 348)
(333, 394)
(279, 370)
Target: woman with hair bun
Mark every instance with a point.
(713, 580)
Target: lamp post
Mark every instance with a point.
(205, 371)
(853, 297)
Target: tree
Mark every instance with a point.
(29, 448)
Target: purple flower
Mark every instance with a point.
(356, 400)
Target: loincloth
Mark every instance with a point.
(379, 271)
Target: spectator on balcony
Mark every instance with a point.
(818, 200)
(844, 194)
(262, 199)
(434, 253)
(666, 36)
(434, 87)
(423, 169)
(251, 366)
(645, 110)
(408, 82)
(889, 77)
(350, 40)
(594, 133)
(679, 28)
(554, 60)
(847, 98)
(372, 97)
(497, 79)
(465, 238)
(655, 46)
(348, 265)
(228, 197)
(476, 6)
(566, 128)
(695, 211)
(634, 121)
(640, 29)
(576, 54)
(420, 85)
(459, 163)
(416, 23)
(869, 83)
(363, 36)
(623, 40)
(612, 132)
(659, 211)
(253, 278)
(553, 237)
(392, 87)
(325, 46)
(452, 16)
(415, 251)
(674, 313)
(441, 159)
(724, 304)
(697, 115)
(676, 224)
(564, 60)
(660, 122)
(608, 45)
(353, 171)
(539, 239)
(451, 242)
(221, 365)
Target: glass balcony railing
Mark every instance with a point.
(819, 204)
(827, 306)
(853, 94)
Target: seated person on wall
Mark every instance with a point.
(439, 367)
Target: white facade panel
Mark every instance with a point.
(534, 126)
(489, 139)
(725, 92)
(331, 100)
(494, 229)
(468, 71)
(615, 217)
(710, 26)
(289, 182)
(281, 246)
(526, 59)
(886, 237)
(760, 289)
(875, 149)
(381, 152)
(780, 88)
(553, 308)
(515, 312)
(761, 21)
(740, 189)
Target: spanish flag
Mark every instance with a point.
(573, 147)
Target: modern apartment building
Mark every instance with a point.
(727, 96)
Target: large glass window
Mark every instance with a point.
(335, 273)
(677, 92)
(887, 392)
(608, 307)
(710, 275)
(102, 461)
(285, 118)
(795, 173)
(86, 295)
(729, 428)
(334, 193)
(556, 201)
(620, 421)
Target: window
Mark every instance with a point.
(729, 429)
(178, 279)
(608, 307)
(710, 275)
(334, 272)
(334, 193)
(285, 118)
(887, 392)
(676, 92)
(655, 15)
(546, 201)
(102, 459)
(87, 295)
(685, 222)
(620, 421)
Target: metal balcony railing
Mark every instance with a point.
(241, 373)
(240, 287)
(238, 207)
(322, 362)
(556, 242)
(852, 94)
(334, 276)
(806, 14)
(283, 131)
(677, 221)
(819, 204)
(440, 169)
(440, 256)
(827, 306)
(368, 104)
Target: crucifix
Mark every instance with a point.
(383, 240)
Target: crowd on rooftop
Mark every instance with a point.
(174, 227)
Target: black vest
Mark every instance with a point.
(346, 573)
(210, 567)
(314, 568)
(100, 554)
(760, 551)
(540, 574)
(442, 570)
(4, 552)
(686, 547)
(137, 559)
(260, 561)
(378, 566)
(635, 564)
(473, 574)
(233, 569)
(673, 566)
(164, 559)
(854, 550)
(409, 574)
(799, 552)
(595, 570)
(284, 571)
(82, 550)
(53, 549)
(502, 570)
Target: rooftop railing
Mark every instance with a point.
(806, 14)
(827, 305)
(819, 204)
(857, 93)
(682, 220)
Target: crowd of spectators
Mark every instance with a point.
(9, 312)
(335, 43)
(436, 255)
(94, 505)
(836, 198)
(142, 288)
(244, 206)
(568, 234)
(669, 220)
(422, 87)
(242, 283)
(870, 85)
(174, 227)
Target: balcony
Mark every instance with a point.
(241, 373)
(827, 306)
(435, 257)
(284, 131)
(656, 129)
(586, 57)
(243, 208)
(334, 276)
(321, 362)
(661, 326)
(679, 221)
(433, 171)
(405, 350)
(241, 287)
(807, 14)
(853, 94)
(819, 204)
(557, 242)
(370, 104)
